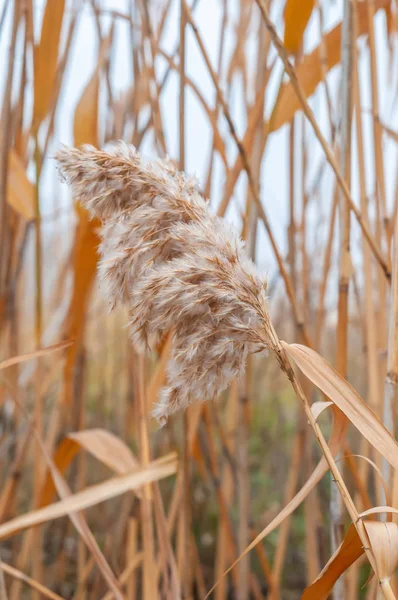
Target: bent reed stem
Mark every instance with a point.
(287, 368)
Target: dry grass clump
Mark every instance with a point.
(175, 265)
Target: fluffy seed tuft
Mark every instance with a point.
(176, 266)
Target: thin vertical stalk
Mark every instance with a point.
(292, 220)
(291, 485)
(3, 589)
(377, 131)
(227, 491)
(369, 300)
(37, 566)
(131, 552)
(5, 144)
(368, 292)
(345, 268)
(207, 189)
(185, 553)
(391, 380)
(80, 405)
(149, 582)
(243, 490)
(154, 91)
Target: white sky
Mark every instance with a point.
(208, 15)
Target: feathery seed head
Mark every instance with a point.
(176, 266)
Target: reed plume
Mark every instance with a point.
(175, 265)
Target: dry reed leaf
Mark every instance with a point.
(84, 269)
(107, 448)
(297, 15)
(101, 444)
(340, 424)
(46, 58)
(85, 127)
(20, 191)
(377, 471)
(317, 408)
(36, 585)
(93, 495)
(37, 354)
(384, 542)
(309, 71)
(376, 510)
(322, 374)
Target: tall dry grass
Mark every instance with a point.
(96, 501)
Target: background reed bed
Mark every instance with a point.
(286, 114)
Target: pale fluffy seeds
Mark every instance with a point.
(175, 265)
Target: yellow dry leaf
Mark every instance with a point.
(297, 15)
(346, 554)
(309, 71)
(84, 269)
(85, 127)
(46, 58)
(86, 237)
(20, 191)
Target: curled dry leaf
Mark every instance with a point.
(317, 408)
(101, 444)
(383, 538)
(93, 495)
(377, 471)
(377, 510)
(322, 374)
